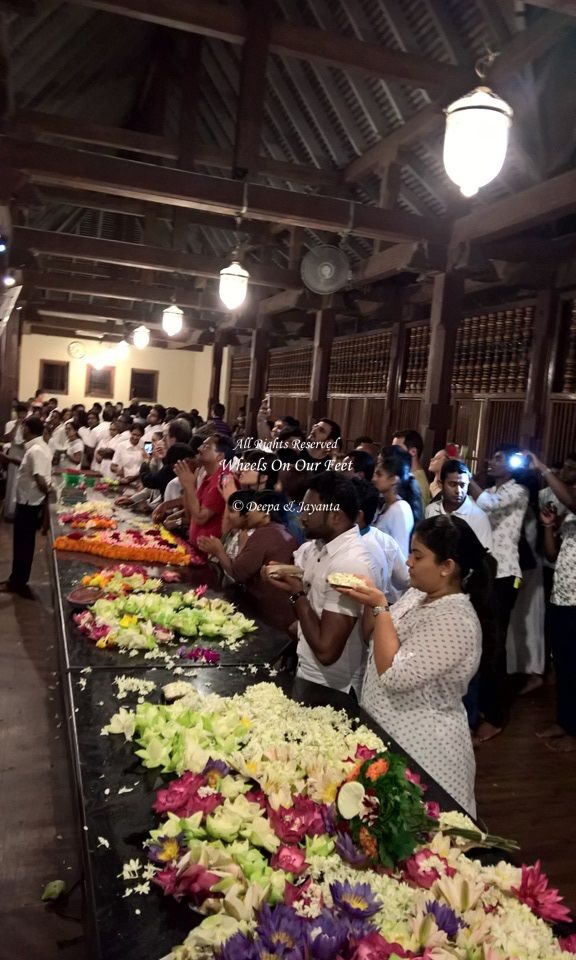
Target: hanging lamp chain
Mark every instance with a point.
(483, 64)
(238, 218)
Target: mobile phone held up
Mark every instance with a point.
(148, 447)
(518, 461)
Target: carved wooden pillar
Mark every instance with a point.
(323, 339)
(257, 379)
(445, 317)
(536, 406)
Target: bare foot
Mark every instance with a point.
(486, 731)
(533, 682)
(551, 733)
(564, 744)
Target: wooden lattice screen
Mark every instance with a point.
(417, 352)
(238, 389)
(561, 432)
(493, 352)
(289, 370)
(359, 365)
(566, 373)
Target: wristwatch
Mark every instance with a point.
(376, 611)
(296, 596)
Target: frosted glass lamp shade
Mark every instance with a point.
(141, 337)
(476, 139)
(233, 285)
(172, 320)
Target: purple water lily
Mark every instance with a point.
(354, 899)
(445, 918)
(328, 935)
(239, 947)
(282, 932)
(349, 852)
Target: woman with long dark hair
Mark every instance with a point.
(426, 649)
(402, 506)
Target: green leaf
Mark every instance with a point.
(53, 890)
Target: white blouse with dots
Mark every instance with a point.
(418, 700)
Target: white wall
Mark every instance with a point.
(183, 381)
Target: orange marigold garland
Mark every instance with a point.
(151, 545)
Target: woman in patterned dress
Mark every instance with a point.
(426, 649)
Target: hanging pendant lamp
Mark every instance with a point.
(141, 337)
(172, 320)
(233, 284)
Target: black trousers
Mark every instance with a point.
(563, 630)
(27, 521)
(493, 700)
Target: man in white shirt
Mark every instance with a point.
(127, 458)
(154, 421)
(331, 650)
(454, 501)
(32, 485)
(505, 505)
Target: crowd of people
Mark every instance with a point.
(417, 591)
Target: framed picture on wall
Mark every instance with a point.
(144, 385)
(99, 383)
(53, 376)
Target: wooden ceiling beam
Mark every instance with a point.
(541, 203)
(524, 48)
(72, 314)
(290, 40)
(87, 171)
(186, 297)
(250, 114)
(102, 332)
(567, 7)
(401, 258)
(140, 256)
(86, 200)
(38, 124)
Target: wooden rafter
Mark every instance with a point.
(140, 256)
(42, 125)
(560, 6)
(538, 204)
(523, 48)
(305, 43)
(87, 171)
(250, 114)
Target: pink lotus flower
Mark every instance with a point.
(433, 809)
(375, 947)
(257, 796)
(295, 893)
(183, 797)
(304, 818)
(291, 860)
(543, 900)
(364, 753)
(415, 778)
(568, 944)
(194, 882)
(418, 872)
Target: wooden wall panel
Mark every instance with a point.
(408, 413)
(561, 431)
(466, 429)
(238, 384)
(503, 421)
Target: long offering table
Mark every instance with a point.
(116, 791)
(145, 928)
(263, 646)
